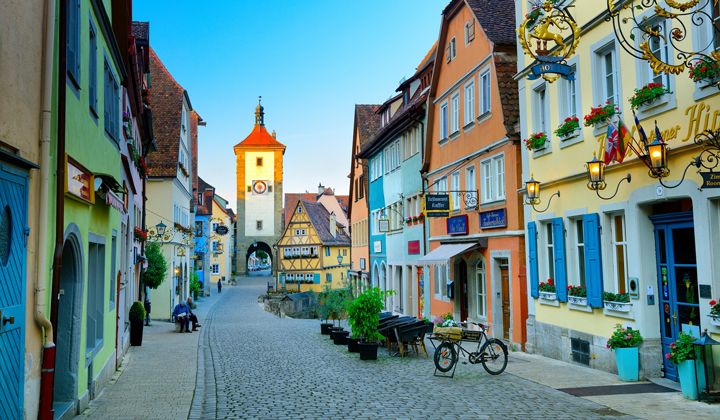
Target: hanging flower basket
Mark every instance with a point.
(714, 313)
(647, 94)
(600, 114)
(568, 128)
(536, 141)
(705, 69)
(140, 235)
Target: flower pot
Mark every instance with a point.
(577, 300)
(353, 345)
(570, 135)
(618, 306)
(341, 338)
(687, 376)
(136, 332)
(626, 360)
(715, 320)
(368, 351)
(548, 295)
(325, 328)
(334, 331)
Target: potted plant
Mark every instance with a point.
(421, 217)
(600, 115)
(137, 318)
(408, 220)
(568, 129)
(577, 295)
(714, 313)
(364, 318)
(619, 302)
(647, 94)
(547, 290)
(322, 312)
(140, 234)
(536, 141)
(195, 286)
(682, 355)
(705, 70)
(625, 342)
(336, 303)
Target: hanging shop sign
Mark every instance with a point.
(457, 225)
(413, 247)
(710, 179)
(377, 247)
(384, 225)
(222, 230)
(437, 205)
(493, 219)
(112, 200)
(79, 182)
(549, 35)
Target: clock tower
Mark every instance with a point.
(259, 175)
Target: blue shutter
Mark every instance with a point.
(593, 260)
(558, 230)
(532, 258)
(92, 71)
(72, 30)
(316, 278)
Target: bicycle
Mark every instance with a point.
(492, 353)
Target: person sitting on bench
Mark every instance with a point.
(193, 317)
(181, 314)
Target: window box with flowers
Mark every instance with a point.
(600, 115)
(140, 235)
(577, 295)
(409, 221)
(547, 291)
(705, 71)
(618, 302)
(569, 129)
(420, 217)
(714, 313)
(537, 141)
(649, 96)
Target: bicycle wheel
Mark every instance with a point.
(494, 356)
(445, 357)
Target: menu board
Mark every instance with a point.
(78, 182)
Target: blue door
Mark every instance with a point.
(677, 280)
(13, 222)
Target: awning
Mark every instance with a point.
(443, 253)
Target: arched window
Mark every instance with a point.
(480, 288)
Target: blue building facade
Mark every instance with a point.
(203, 232)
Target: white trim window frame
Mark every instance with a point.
(469, 108)
(455, 113)
(484, 93)
(455, 186)
(450, 50)
(579, 254)
(469, 31)
(470, 182)
(618, 242)
(492, 172)
(605, 75)
(444, 120)
(481, 289)
(549, 254)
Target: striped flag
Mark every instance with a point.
(616, 142)
(641, 132)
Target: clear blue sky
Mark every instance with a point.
(311, 60)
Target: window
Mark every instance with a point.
(286, 252)
(619, 251)
(112, 103)
(450, 50)
(455, 113)
(344, 253)
(113, 265)
(73, 41)
(540, 112)
(92, 70)
(715, 25)
(480, 288)
(550, 252)
(455, 185)
(469, 31)
(215, 226)
(440, 283)
(469, 114)
(290, 277)
(299, 209)
(328, 277)
(215, 246)
(199, 229)
(258, 224)
(95, 296)
(259, 161)
(441, 185)
(493, 178)
(580, 248)
(659, 48)
(443, 121)
(327, 251)
(608, 76)
(485, 92)
(569, 102)
(470, 183)
(215, 268)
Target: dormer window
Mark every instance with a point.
(299, 210)
(450, 50)
(469, 31)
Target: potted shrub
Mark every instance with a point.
(568, 129)
(619, 302)
(682, 355)
(157, 266)
(577, 295)
(600, 115)
(705, 70)
(547, 290)
(322, 312)
(137, 317)
(625, 342)
(647, 94)
(195, 286)
(536, 141)
(364, 318)
(714, 313)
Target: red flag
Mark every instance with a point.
(612, 139)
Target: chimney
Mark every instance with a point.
(321, 188)
(274, 135)
(333, 225)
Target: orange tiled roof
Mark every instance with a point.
(260, 137)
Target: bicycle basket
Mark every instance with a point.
(471, 335)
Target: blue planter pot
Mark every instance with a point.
(627, 363)
(686, 373)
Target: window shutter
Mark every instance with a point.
(316, 278)
(532, 258)
(560, 268)
(593, 260)
(71, 31)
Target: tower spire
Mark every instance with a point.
(259, 113)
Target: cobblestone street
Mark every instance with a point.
(255, 365)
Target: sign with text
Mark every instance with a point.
(384, 225)
(493, 219)
(437, 205)
(457, 225)
(222, 230)
(377, 247)
(79, 181)
(413, 247)
(710, 179)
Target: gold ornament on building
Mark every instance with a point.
(550, 36)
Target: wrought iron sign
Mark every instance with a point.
(468, 198)
(437, 205)
(641, 24)
(549, 35)
(708, 159)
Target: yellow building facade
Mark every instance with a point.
(314, 250)
(653, 244)
(220, 245)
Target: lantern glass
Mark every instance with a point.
(657, 151)
(596, 171)
(533, 188)
(160, 228)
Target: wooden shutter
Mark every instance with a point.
(593, 260)
(558, 230)
(316, 278)
(72, 30)
(532, 258)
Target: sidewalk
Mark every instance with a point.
(157, 379)
(557, 374)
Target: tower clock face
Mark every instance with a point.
(259, 187)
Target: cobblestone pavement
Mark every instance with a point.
(255, 365)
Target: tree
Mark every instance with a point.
(262, 255)
(157, 266)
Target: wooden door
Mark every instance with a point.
(505, 280)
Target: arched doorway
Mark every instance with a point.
(68, 327)
(258, 259)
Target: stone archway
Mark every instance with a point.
(259, 259)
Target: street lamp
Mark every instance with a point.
(160, 228)
(339, 258)
(657, 153)
(533, 194)
(596, 177)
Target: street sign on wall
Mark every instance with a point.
(413, 247)
(437, 205)
(493, 219)
(457, 225)
(710, 179)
